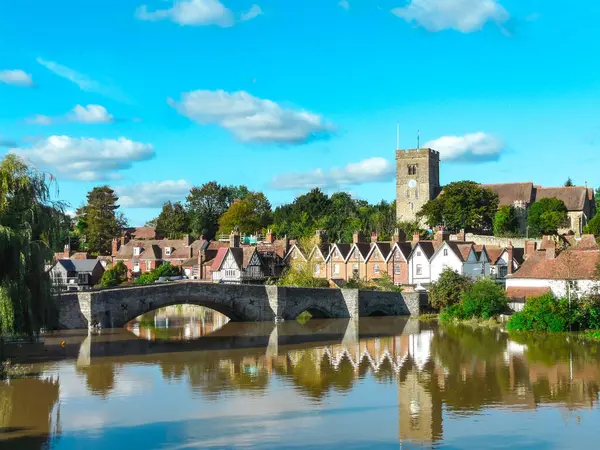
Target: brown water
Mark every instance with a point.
(198, 382)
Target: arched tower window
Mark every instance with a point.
(412, 169)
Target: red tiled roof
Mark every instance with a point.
(514, 292)
(460, 249)
(571, 264)
(494, 252)
(216, 265)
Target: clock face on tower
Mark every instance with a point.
(412, 184)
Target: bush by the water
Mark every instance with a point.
(484, 299)
(547, 313)
(164, 270)
(301, 275)
(384, 284)
(448, 289)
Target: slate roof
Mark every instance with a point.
(570, 264)
(509, 193)
(405, 248)
(79, 265)
(428, 247)
(363, 249)
(343, 248)
(384, 248)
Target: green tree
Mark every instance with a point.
(545, 216)
(102, 222)
(172, 222)
(593, 226)
(114, 276)
(463, 204)
(302, 217)
(205, 204)
(164, 270)
(29, 228)
(448, 289)
(250, 214)
(506, 221)
(569, 182)
(597, 199)
(484, 299)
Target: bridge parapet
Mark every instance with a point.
(243, 303)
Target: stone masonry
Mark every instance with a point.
(115, 307)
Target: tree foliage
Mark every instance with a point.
(30, 226)
(250, 214)
(205, 204)
(546, 216)
(569, 182)
(114, 276)
(593, 226)
(448, 289)
(463, 204)
(172, 222)
(99, 220)
(484, 299)
(506, 221)
(164, 270)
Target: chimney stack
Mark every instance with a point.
(115, 246)
(357, 237)
(67, 251)
(550, 253)
(200, 261)
(510, 249)
(187, 240)
(416, 237)
(530, 248)
(460, 237)
(399, 236)
(319, 237)
(269, 237)
(373, 237)
(234, 239)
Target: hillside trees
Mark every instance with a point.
(506, 221)
(546, 216)
(172, 222)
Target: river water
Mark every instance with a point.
(186, 378)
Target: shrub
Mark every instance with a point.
(448, 289)
(114, 276)
(543, 313)
(164, 270)
(484, 300)
(452, 312)
(301, 275)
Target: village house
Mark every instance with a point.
(570, 272)
(337, 262)
(238, 264)
(460, 257)
(76, 274)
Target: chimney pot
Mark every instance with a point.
(373, 237)
(416, 237)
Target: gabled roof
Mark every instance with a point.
(344, 250)
(219, 258)
(363, 249)
(574, 197)
(405, 249)
(494, 252)
(428, 247)
(384, 248)
(323, 249)
(291, 251)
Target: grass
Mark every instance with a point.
(593, 335)
(304, 317)
(429, 317)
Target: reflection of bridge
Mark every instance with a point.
(243, 303)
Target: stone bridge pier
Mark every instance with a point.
(110, 308)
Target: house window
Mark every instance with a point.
(136, 251)
(445, 252)
(503, 270)
(355, 254)
(295, 255)
(419, 269)
(136, 267)
(229, 273)
(355, 269)
(148, 266)
(376, 268)
(336, 269)
(317, 269)
(418, 253)
(375, 255)
(397, 269)
(167, 251)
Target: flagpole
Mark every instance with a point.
(419, 140)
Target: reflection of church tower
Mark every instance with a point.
(419, 396)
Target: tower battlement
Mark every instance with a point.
(423, 151)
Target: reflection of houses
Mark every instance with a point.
(76, 274)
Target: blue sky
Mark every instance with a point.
(153, 96)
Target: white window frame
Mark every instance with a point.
(167, 251)
(136, 268)
(419, 269)
(376, 269)
(376, 255)
(336, 269)
(445, 252)
(148, 266)
(317, 269)
(397, 269)
(136, 251)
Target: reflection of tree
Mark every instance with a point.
(26, 411)
(100, 378)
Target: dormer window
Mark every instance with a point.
(136, 251)
(375, 255)
(168, 251)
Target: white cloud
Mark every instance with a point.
(152, 194)
(252, 119)
(344, 4)
(252, 13)
(465, 16)
(80, 114)
(90, 114)
(366, 171)
(39, 119)
(85, 159)
(191, 12)
(470, 148)
(16, 78)
(84, 82)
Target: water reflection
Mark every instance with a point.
(376, 383)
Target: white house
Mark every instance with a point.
(571, 273)
(237, 265)
(419, 269)
(460, 257)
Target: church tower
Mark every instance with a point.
(417, 181)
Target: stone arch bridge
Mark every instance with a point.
(115, 307)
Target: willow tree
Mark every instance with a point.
(29, 226)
